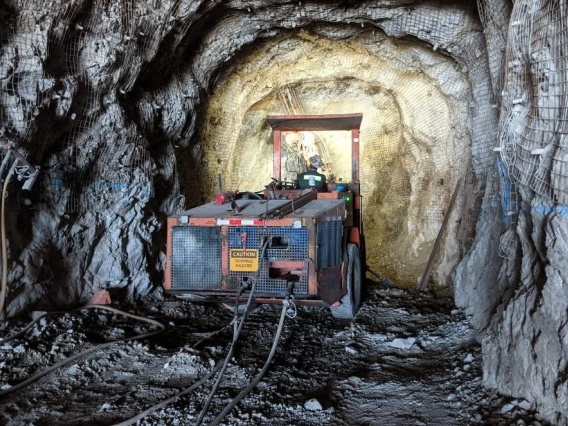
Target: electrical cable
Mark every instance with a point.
(238, 324)
(162, 404)
(237, 331)
(258, 377)
(54, 367)
(188, 390)
(4, 248)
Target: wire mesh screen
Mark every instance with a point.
(23, 85)
(85, 55)
(534, 116)
(509, 242)
(444, 30)
(296, 248)
(196, 245)
(59, 104)
(416, 137)
(494, 15)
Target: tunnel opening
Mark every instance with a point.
(415, 106)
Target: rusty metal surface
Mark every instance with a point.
(290, 207)
(224, 258)
(355, 155)
(172, 221)
(277, 155)
(315, 122)
(330, 284)
(253, 208)
(311, 209)
(300, 300)
(282, 194)
(250, 209)
(355, 236)
(332, 195)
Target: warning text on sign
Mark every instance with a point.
(241, 260)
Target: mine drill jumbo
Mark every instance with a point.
(278, 243)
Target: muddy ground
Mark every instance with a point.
(406, 359)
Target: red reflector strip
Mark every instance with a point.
(240, 222)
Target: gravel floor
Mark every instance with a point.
(407, 359)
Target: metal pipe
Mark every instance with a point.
(289, 207)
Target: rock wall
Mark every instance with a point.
(478, 279)
(525, 344)
(106, 97)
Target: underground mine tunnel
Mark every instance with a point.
(127, 128)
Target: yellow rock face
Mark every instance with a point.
(414, 139)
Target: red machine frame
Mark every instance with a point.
(325, 206)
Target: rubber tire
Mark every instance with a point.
(351, 302)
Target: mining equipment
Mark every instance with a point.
(280, 242)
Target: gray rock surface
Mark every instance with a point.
(311, 381)
(525, 348)
(105, 96)
(112, 93)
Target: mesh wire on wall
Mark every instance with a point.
(22, 88)
(93, 39)
(444, 29)
(534, 142)
(509, 242)
(62, 67)
(534, 113)
(494, 15)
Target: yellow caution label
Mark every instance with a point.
(241, 260)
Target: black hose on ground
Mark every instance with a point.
(4, 288)
(162, 404)
(237, 331)
(384, 281)
(258, 377)
(191, 388)
(237, 326)
(54, 367)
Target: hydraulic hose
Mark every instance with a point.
(4, 248)
(258, 377)
(54, 367)
(238, 325)
(186, 391)
(162, 404)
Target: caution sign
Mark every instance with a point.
(241, 260)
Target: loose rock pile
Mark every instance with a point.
(406, 359)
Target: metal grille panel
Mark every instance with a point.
(196, 258)
(297, 250)
(329, 243)
(297, 241)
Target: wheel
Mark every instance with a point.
(351, 302)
